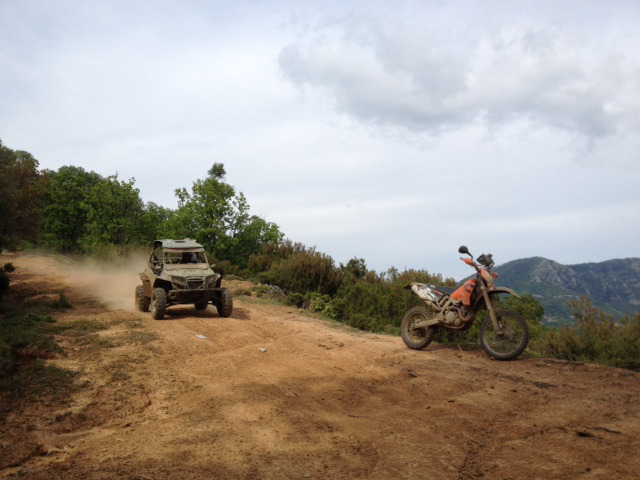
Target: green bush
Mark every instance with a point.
(295, 299)
(304, 272)
(226, 268)
(272, 253)
(271, 292)
(372, 303)
(596, 337)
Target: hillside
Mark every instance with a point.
(613, 285)
(272, 393)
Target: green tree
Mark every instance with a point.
(250, 238)
(356, 268)
(21, 189)
(155, 221)
(217, 217)
(64, 225)
(115, 214)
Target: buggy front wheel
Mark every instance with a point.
(159, 303)
(225, 303)
(142, 302)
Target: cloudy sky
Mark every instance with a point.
(391, 131)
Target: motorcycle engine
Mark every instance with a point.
(452, 318)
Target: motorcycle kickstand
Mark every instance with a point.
(458, 341)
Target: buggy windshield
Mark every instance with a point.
(184, 256)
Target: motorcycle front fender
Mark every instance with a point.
(500, 290)
(480, 301)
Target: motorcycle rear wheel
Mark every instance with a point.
(417, 339)
(514, 338)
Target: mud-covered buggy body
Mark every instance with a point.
(178, 273)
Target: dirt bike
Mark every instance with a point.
(503, 334)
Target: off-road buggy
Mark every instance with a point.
(177, 273)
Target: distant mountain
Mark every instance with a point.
(613, 285)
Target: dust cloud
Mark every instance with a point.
(111, 281)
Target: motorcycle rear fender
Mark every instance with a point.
(425, 292)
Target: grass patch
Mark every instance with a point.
(61, 304)
(104, 342)
(136, 324)
(120, 375)
(241, 291)
(78, 327)
(84, 331)
(41, 380)
(26, 338)
(141, 337)
(23, 329)
(120, 369)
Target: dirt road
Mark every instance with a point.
(272, 393)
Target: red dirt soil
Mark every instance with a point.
(273, 393)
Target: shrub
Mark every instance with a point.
(305, 272)
(372, 303)
(227, 269)
(269, 291)
(317, 302)
(596, 337)
(272, 253)
(295, 299)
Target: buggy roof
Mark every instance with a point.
(184, 244)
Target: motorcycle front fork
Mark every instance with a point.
(488, 301)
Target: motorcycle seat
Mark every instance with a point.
(445, 290)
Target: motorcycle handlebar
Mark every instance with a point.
(469, 262)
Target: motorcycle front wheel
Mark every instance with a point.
(417, 339)
(510, 341)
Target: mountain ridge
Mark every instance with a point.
(613, 285)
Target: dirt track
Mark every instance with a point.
(321, 402)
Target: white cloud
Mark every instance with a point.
(399, 74)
